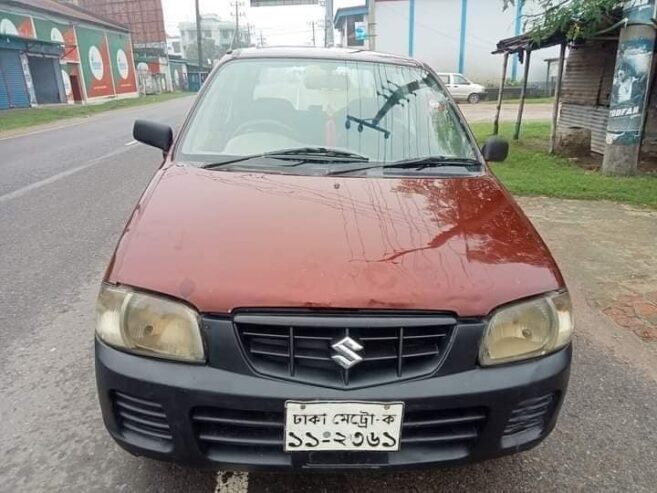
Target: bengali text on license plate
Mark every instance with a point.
(338, 425)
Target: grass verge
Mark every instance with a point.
(17, 119)
(530, 170)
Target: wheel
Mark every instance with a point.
(474, 98)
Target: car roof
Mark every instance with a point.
(349, 54)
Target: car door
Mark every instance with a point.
(459, 86)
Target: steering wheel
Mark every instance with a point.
(274, 125)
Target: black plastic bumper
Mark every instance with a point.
(165, 396)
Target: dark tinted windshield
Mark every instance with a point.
(382, 111)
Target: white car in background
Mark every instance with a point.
(463, 89)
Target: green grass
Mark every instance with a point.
(530, 170)
(17, 119)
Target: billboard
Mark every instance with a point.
(278, 3)
(16, 25)
(95, 62)
(123, 65)
(47, 30)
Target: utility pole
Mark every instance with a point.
(313, 24)
(328, 24)
(199, 38)
(262, 41)
(371, 24)
(237, 42)
(631, 89)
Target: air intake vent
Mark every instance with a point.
(141, 417)
(531, 415)
(224, 433)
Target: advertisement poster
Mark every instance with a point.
(60, 33)
(95, 62)
(123, 65)
(16, 25)
(640, 11)
(629, 91)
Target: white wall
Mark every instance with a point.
(437, 36)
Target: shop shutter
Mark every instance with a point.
(4, 96)
(13, 79)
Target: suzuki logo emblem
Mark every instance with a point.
(346, 352)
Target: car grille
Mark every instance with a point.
(228, 433)
(300, 347)
(141, 417)
(531, 415)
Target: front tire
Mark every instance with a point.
(474, 98)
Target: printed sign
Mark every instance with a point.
(60, 33)
(360, 31)
(629, 91)
(95, 62)
(123, 65)
(640, 11)
(16, 25)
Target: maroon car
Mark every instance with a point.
(324, 273)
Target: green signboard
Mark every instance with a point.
(95, 62)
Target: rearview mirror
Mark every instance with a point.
(153, 134)
(496, 149)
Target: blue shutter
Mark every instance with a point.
(13, 79)
(4, 96)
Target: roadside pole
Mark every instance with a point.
(371, 24)
(199, 40)
(629, 97)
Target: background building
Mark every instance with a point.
(215, 32)
(450, 35)
(145, 19)
(55, 53)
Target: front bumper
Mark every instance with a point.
(485, 412)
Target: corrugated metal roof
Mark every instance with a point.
(67, 10)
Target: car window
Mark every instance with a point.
(385, 112)
(459, 79)
(444, 78)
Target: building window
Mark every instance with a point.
(176, 46)
(207, 34)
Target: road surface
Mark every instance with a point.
(65, 194)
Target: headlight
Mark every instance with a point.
(528, 329)
(149, 325)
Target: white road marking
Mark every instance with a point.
(132, 142)
(232, 482)
(52, 179)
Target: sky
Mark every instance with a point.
(290, 25)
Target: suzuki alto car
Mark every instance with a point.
(324, 274)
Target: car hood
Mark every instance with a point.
(227, 240)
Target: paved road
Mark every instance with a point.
(64, 196)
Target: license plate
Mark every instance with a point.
(343, 426)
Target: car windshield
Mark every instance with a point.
(381, 112)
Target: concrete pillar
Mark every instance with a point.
(631, 88)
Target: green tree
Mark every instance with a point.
(210, 49)
(578, 19)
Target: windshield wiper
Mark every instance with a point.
(419, 164)
(302, 154)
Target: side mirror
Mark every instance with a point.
(153, 134)
(496, 149)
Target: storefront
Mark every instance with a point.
(29, 72)
(53, 53)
